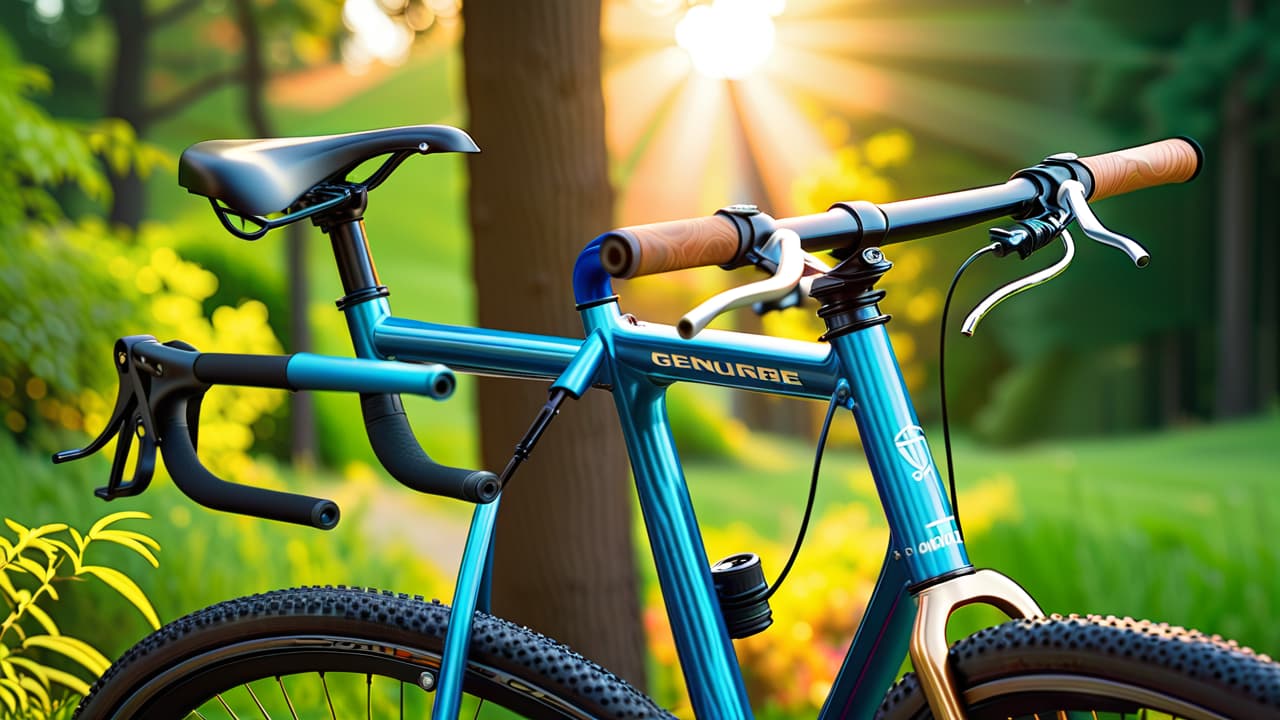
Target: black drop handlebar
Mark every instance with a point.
(161, 387)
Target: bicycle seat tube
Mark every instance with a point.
(364, 300)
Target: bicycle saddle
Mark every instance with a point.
(258, 177)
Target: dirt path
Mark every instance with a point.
(392, 515)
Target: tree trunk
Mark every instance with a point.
(127, 101)
(1268, 334)
(1235, 375)
(539, 191)
(302, 434)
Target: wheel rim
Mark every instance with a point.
(279, 678)
(1051, 690)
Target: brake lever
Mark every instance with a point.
(131, 417)
(814, 268)
(791, 266)
(1009, 290)
(1071, 196)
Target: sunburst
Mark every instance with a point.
(715, 101)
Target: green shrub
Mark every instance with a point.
(702, 429)
(33, 566)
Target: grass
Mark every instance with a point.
(1172, 526)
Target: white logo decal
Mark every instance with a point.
(913, 449)
(943, 534)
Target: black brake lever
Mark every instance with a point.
(130, 418)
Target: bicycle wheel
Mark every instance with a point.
(1099, 667)
(346, 652)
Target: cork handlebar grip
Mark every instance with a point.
(1159, 163)
(666, 246)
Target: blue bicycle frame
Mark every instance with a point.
(638, 361)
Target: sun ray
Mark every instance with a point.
(820, 8)
(784, 143)
(669, 180)
(626, 25)
(635, 93)
(994, 125)
(993, 37)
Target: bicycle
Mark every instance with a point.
(270, 652)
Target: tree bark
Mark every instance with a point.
(1235, 375)
(539, 191)
(1268, 334)
(127, 101)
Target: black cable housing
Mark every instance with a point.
(813, 493)
(942, 378)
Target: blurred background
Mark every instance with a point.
(1118, 440)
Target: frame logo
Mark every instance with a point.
(727, 369)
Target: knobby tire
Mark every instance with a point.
(267, 655)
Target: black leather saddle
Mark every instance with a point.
(259, 177)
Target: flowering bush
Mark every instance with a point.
(790, 666)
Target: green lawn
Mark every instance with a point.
(1171, 526)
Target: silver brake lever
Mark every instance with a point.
(1007, 291)
(1071, 196)
(791, 265)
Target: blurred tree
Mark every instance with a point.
(134, 23)
(39, 155)
(1226, 71)
(539, 190)
(1204, 74)
(302, 421)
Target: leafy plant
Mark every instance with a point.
(34, 564)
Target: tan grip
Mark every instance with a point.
(666, 246)
(1159, 163)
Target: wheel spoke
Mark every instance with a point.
(257, 702)
(333, 715)
(227, 707)
(287, 700)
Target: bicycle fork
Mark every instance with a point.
(925, 535)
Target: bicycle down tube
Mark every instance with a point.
(641, 361)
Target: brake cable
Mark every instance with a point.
(942, 375)
(837, 397)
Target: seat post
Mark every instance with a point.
(345, 227)
(363, 302)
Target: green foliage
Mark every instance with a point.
(63, 311)
(702, 429)
(1020, 405)
(64, 299)
(388, 538)
(37, 153)
(32, 566)
(1212, 56)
